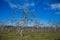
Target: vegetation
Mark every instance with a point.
(29, 36)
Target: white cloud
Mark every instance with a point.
(55, 6)
(12, 5)
(25, 5)
(29, 4)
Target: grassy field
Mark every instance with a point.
(29, 36)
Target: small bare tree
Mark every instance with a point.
(37, 25)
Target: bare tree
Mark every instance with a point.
(26, 14)
(37, 25)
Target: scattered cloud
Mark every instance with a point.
(55, 6)
(25, 5)
(12, 5)
(29, 4)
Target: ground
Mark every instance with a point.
(29, 36)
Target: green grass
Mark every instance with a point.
(29, 36)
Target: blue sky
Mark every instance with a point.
(45, 10)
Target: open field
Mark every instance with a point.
(29, 36)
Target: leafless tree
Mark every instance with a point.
(37, 25)
(26, 14)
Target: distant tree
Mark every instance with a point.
(55, 25)
(37, 25)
